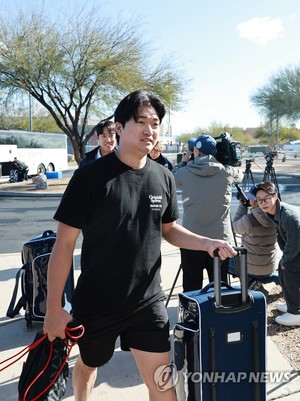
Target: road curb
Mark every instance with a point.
(29, 195)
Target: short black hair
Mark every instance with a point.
(131, 104)
(110, 125)
(266, 186)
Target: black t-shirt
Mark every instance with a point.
(120, 211)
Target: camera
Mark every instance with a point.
(191, 142)
(242, 196)
(228, 151)
(269, 156)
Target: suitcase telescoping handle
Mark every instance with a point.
(242, 253)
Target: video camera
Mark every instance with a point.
(242, 196)
(228, 151)
(269, 156)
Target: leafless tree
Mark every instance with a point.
(80, 68)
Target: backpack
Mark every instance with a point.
(42, 366)
(33, 277)
(14, 176)
(45, 372)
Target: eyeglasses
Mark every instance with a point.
(266, 200)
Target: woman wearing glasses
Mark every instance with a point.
(259, 237)
(287, 220)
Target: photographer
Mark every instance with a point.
(259, 237)
(206, 195)
(186, 156)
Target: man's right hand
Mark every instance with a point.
(55, 323)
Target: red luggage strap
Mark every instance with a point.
(72, 335)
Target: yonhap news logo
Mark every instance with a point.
(167, 376)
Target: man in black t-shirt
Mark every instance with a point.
(123, 214)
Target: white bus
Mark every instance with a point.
(41, 151)
(292, 148)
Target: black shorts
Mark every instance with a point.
(146, 330)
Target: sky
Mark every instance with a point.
(226, 50)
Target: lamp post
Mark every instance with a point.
(279, 92)
(277, 131)
(30, 114)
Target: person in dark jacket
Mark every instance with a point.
(19, 171)
(287, 220)
(106, 136)
(156, 155)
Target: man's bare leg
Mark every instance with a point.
(84, 379)
(148, 363)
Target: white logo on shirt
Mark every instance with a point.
(155, 202)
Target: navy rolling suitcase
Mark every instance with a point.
(220, 341)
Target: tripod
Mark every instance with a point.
(269, 173)
(246, 183)
(248, 179)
